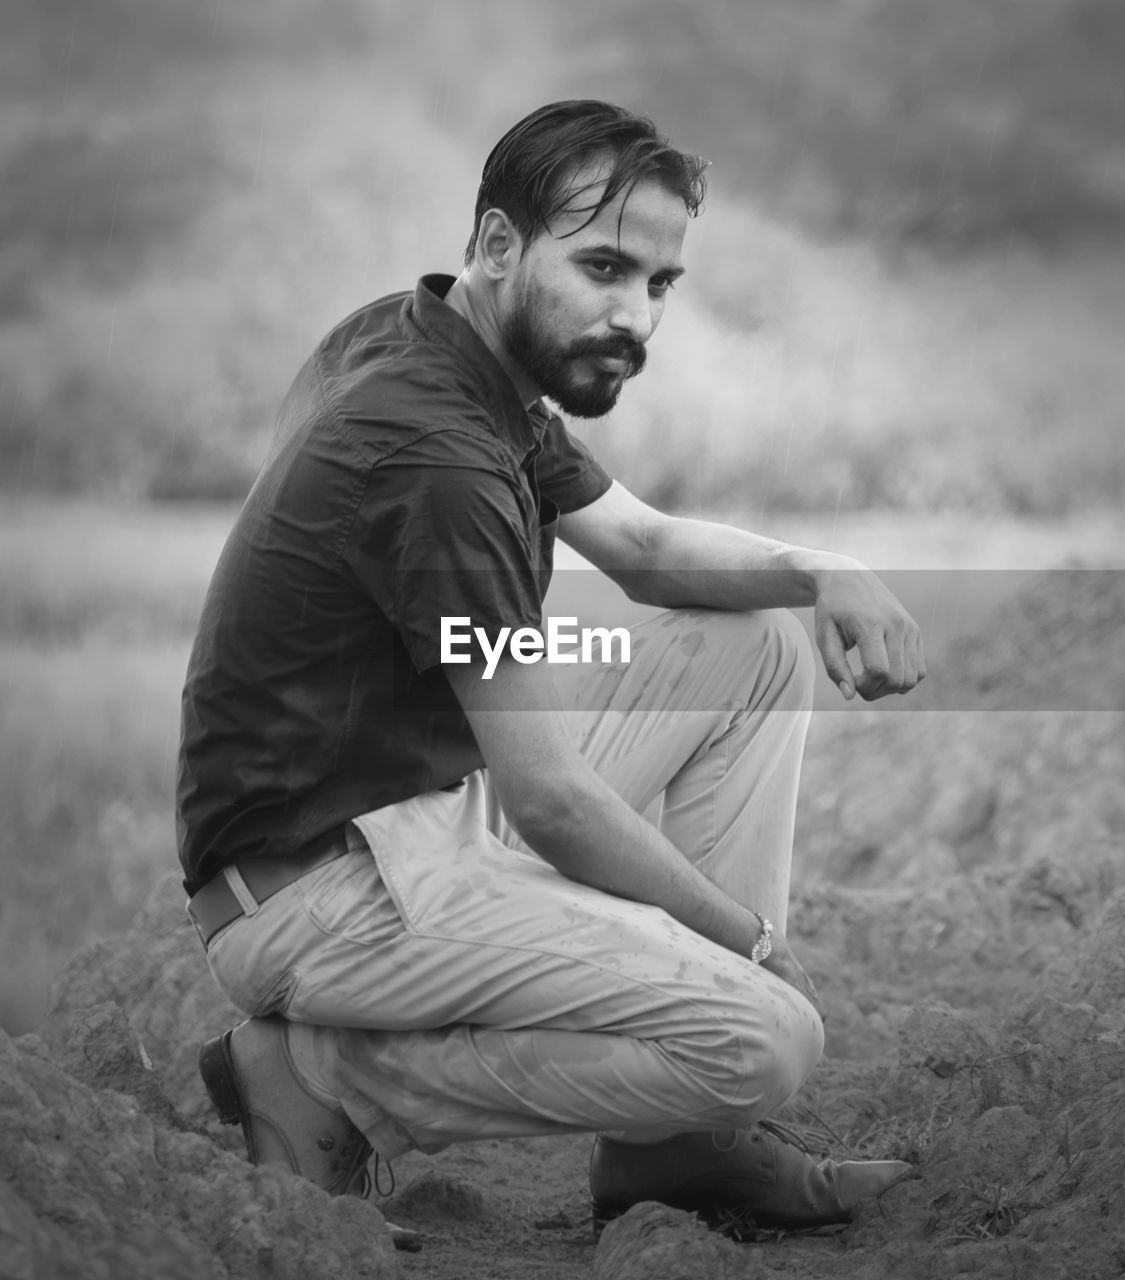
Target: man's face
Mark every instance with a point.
(583, 305)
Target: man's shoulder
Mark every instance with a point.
(374, 312)
(358, 340)
(380, 369)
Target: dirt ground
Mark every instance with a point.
(954, 899)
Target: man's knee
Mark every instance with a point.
(795, 1051)
(779, 1059)
(760, 1059)
(772, 648)
(792, 651)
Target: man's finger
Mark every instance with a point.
(898, 661)
(914, 660)
(813, 997)
(872, 679)
(835, 659)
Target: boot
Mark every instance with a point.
(250, 1078)
(749, 1172)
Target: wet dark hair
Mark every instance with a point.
(528, 172)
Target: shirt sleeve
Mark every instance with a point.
(432, 541)
(568, 473)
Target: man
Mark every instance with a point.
(421, 868)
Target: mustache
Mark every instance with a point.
(613, 346)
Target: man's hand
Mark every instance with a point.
(782, 962)
(854, 610)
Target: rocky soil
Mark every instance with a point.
(960, 898)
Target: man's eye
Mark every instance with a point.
(603, 267)
(659, 287)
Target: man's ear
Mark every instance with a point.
(499, 245)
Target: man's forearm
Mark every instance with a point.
(688, 563)
(597, 839)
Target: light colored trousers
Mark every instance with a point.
(454, 986)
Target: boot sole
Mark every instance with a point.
(216, 1066)
(602, 1214)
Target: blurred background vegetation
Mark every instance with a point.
(906, 295)
(906, 289)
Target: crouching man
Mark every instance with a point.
(433, 893)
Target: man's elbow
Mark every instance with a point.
(644, 586)
(548, 816)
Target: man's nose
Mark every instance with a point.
(633, 313)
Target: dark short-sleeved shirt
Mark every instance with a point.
(406, 482)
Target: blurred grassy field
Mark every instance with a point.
(908, 288)
(97, 607)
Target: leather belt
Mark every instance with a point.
(216, 905)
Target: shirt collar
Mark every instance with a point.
(440, 323)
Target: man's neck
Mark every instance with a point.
(475, 308)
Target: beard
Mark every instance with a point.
(552, 367)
